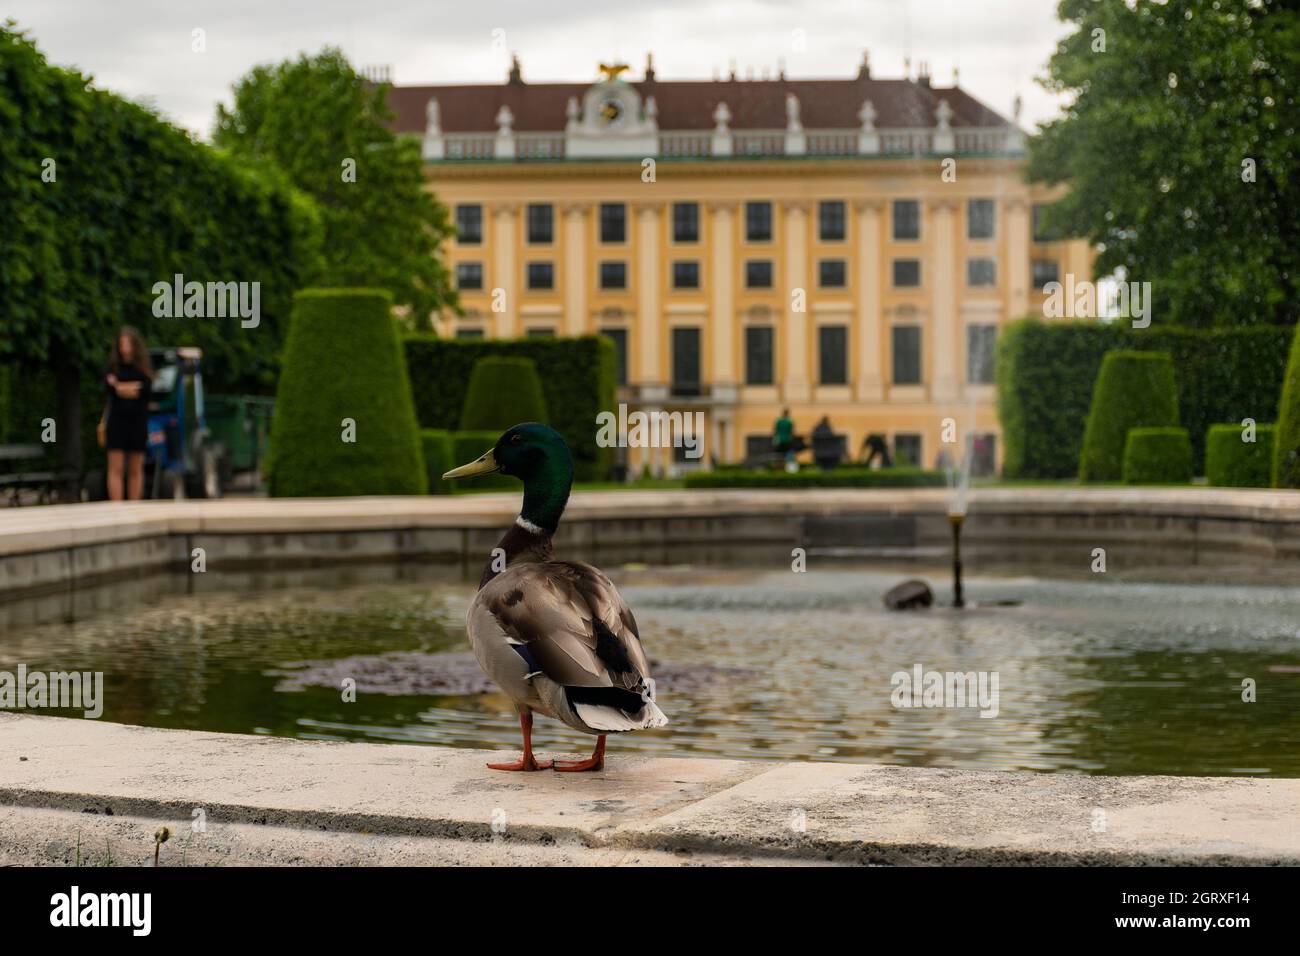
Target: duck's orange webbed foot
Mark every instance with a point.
(527, 761)
(595, 762)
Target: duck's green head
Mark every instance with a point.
(538, 456)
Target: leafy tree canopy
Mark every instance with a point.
(1175, 108)
(328, 129)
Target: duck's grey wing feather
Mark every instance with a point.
(572, 621)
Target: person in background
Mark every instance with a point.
(783, 438)
(129, 381)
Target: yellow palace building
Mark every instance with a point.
(843, 248)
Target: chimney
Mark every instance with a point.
(649, 67)
(923, 73)
(516, 77)
(864, 70)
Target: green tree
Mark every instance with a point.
(328, 130)
(1174, 108)
(99, 201)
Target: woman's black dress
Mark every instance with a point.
(128, 418)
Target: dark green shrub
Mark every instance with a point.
(578, 381)
(1233, 463)
(343, 360)
(1046, 371)
(1286, 454)
(466, 446)
(439, 452)
(503, 391)
(816, 478)
(1157, 456)
(1133, 390)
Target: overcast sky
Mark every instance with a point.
(142, 48)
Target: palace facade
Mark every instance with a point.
(843, 248)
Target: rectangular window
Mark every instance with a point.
(981, 272)
(907, 450)
(980, 217)
(686, 361)
(833, 354)
(907, 273)
(758, 221)
(613, 275)
(1041, 231)
(613, 222)
(907, 354)
(758, 274)
(686, 222)
(541, 275)
(541, 332)
(469, 275)
(831, 273)
(467, 333)
(469, 224)
(541, 223)
(1045, 271)
(619, 338)
(759, 340)
(830, 221)
(907, 219)
(686, 274)
(980, 343)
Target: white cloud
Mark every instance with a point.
(142, 48)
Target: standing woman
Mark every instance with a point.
(129, 380)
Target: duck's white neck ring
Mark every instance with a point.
(528, 526)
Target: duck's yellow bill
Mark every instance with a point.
(480, 466)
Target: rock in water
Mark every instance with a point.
(909, 596)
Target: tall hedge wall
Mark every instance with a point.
(578, 380)
(343, 360)
(1046, 370)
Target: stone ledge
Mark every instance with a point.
(722, 810)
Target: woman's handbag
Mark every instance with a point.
(101, 430)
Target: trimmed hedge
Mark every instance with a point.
(1286, 453)
(343, 360)
(816, 478)
(439, 455)
(467, 446)
(1046, 371)
(578, 381)
(1157, 456)
(1233, 463)
(1133, 390)
(503, 391)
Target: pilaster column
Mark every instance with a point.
(575, 268)
(722, 279)
(504, 235)
(650, 368)
(943, 300)
(795, 382)
(870, 386)
(1018, 235)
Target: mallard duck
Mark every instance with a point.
(555, 635)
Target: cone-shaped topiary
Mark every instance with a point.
(502, 392)
(1286, 439)
(1233, 462)
(1133, 390)
(1157, 456)
(344, 420)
